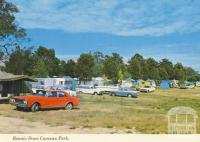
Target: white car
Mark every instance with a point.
(187, 86)
(147, 89)
(107, 89)
(87, 89)
(38, 88)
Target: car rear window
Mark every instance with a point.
(40, 93)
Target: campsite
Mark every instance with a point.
(99, 67)
(105, 114)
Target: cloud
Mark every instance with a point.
(127, 18)
(173, 52)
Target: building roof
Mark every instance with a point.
(4, 76)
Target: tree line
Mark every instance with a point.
(42, 62)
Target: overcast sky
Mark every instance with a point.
(153, 28)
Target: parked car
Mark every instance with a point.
(38, 88)
(147, 89)
(125, 92)
(88, 90)
(187, 86)
(43, 100)
(65, 89)
(197, 83)
(107, 89)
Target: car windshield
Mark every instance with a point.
(146, 86)
(188, 84)
(41, 93)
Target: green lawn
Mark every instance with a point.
(145, 114)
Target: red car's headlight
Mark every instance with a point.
(12, 100)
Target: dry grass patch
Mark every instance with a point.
(146, 114)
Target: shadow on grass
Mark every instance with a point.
(42, 110)
(4, 101)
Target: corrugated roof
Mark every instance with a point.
(4, 76)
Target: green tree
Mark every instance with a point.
(10, 33)
(191, 74)
(40, 69)
(126, 74)
(167, 65)
(20, 61)
(179, 72)
(85, 66)
(98, 69)
(152, 67)
(137, 67)
(120, 76)
(163, 73)
(111, 67)
(70, 68)
(99, 59)
(49, 58)
(62, 66)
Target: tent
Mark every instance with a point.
(137, 83)
(165, 84)
(128, 82)
(152, 82)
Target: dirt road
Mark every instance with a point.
(10, 125)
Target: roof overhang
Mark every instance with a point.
(10, 77)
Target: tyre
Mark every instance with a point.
(69, 106)
(100, 93)
(113, 94)
(129, 95)
(95, 93)
(35, 107)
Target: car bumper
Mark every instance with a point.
(183, 87)
(19, 105)
(135, 95)
(143, 90)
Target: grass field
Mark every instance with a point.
(145, 114)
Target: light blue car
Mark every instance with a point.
(125, 92)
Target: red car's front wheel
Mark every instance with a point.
(35, 107)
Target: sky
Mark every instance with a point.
(152, 28)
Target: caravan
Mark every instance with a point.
(61, 83)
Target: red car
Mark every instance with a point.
(45, 99)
